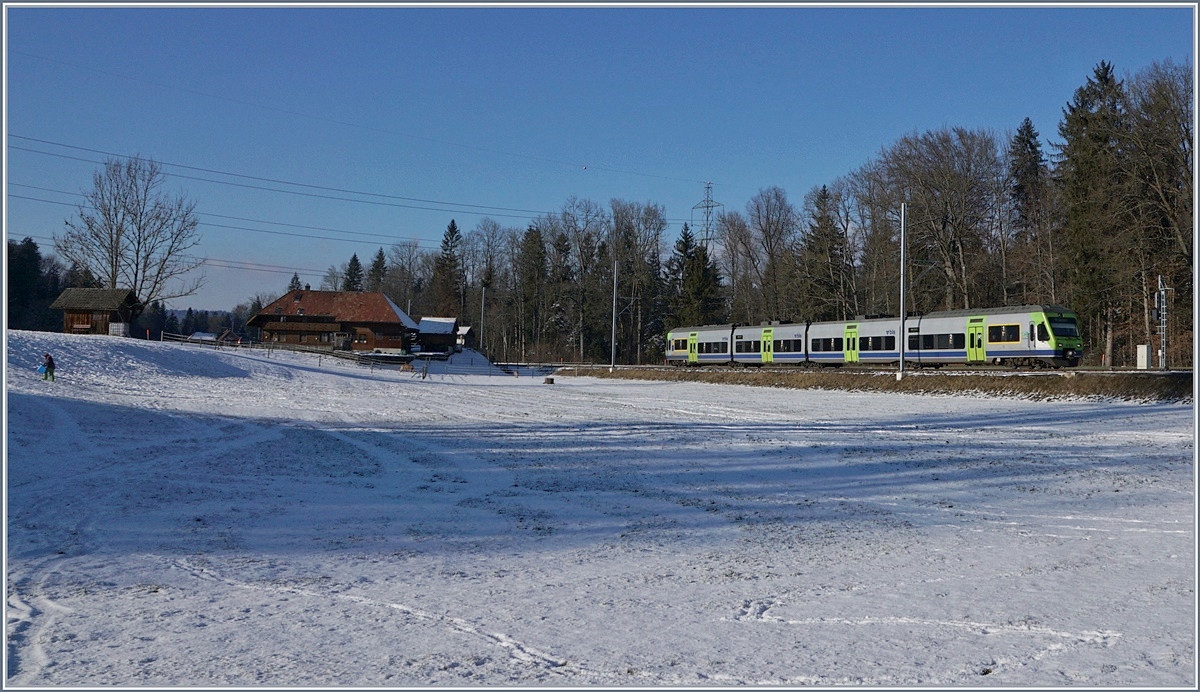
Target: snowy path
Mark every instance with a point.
(186, 517)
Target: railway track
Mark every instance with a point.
(1140, 385)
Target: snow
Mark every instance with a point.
(178, 515)
(438, 325)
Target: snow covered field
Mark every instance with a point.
(179, 516)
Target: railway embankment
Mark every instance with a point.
(1174, 386)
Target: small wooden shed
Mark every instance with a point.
(97, 310)
(438, 334)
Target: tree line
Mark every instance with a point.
(1090, 222)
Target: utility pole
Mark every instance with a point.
(613, 367)
(482, 312)
(903, 335)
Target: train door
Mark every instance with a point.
(768, 345)
(851, 344)
(976, 351)
(693, 353)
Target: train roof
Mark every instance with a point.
(705, 327)
(998, 311)
(970, 312)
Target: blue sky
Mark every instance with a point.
(506, 112)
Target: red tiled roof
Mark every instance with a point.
(341, 306)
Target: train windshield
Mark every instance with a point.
(1064, 326)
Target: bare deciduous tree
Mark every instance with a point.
(130, 234)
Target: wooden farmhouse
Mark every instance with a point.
(97, 310)
(350, 320)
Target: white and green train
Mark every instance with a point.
(1024, 335)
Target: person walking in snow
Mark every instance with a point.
(48, 364)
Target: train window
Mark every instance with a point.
(914, 342)
(958, 340)
(826, 345)
(1042, 334)
(943, 341)
(755, 346)
(876, 343)
(1064, 326)
(1004, 333)
(739, 347)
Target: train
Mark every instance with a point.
(1018, 336)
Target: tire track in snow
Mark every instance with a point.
(756, 610)
(518, 650)
(24, 630)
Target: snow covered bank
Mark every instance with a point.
(179, 516)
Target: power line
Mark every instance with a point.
(226, 216)
(570, 164)
(456, 210)
(447, 207)
(273, 180)
(221, 263)
(393, 239)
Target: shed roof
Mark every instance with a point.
(95, 299)
(438, 325)
(342, 306)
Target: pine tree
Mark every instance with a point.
(188, 327)
(447, 282)
(530, 274)
(1030, 195)
(695, 283)
(352, 280)
(827, 278)
(294, 284)
(153, 320)
(24, 268)
(1093, 242)
(377, 273)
